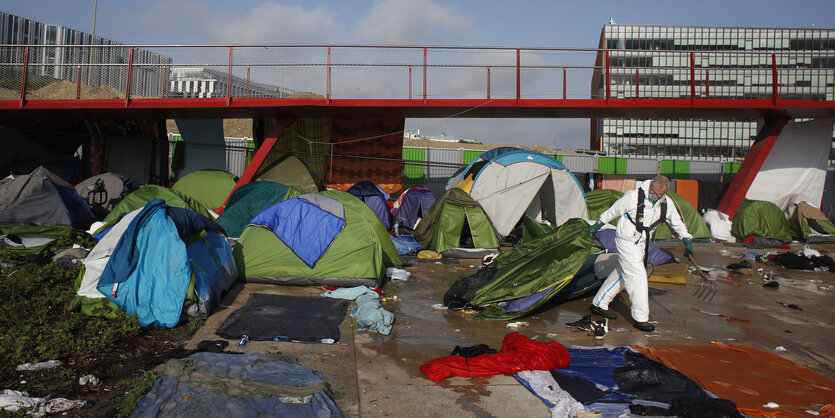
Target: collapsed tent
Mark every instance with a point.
(412, 205)
(454, 218)
(758, 217)
(145, 195)
(32, 239)
(156, 261)
(696, 226)
(44, 199)
(291, 171)
(209, 187)
(312, 239)
(599, 200)
(510, 183)
(104, 191)
(249, 200)
(373, 196)
(527, 276)
(806, 220)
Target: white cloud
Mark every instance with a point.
(412, 22)
(272, 23)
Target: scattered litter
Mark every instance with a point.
(88, 379)
(751, 255)
(551, 335)
(395, 273)
(439, 307)
(517, 324)
(724, 252)
(243, 341)
(742, 265)
(28, 367)
(13, 401)
(780, 348)
(811, 412)
(826, 287)
(771, 405)
(808, 252)
(328, 341)
(791, 306)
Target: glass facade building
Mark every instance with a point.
(728, 63)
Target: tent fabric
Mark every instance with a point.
(515, 182)
(252, 384)
(531, 229)
(249, 200)
(601, 199)
(655, 255)
(354, 256)
(805, 220)
(31, 239)
(307, 226)
(113, 188)
(767, 378)
(547, 264)
(583, 283)
(442, 226)
(44, 199)
(696, 226)
(518, 353)
(796, 164)
(143, 196)
(758, 217)
(391, 257)
(158, 258)
(209, 187)
(412, 205)
(290, 170)
(373, 196)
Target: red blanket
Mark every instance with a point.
(518, 353)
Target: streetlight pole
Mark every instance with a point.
(92, 38)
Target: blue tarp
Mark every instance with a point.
(305, 228)
(184, 398)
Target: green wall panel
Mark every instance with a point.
(470, 155)
(730, 171)
(611, 165)
(413, 173)
(675, 169)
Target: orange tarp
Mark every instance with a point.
(751, 378)
(689, 190)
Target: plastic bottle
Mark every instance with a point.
(6, 265)
(397, 228)
(328, 341)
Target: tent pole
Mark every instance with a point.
(269, 141)
(754, 160)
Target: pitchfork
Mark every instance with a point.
(707, 288)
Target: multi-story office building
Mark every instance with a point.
(205, 82)
(730, 63)
(63, 62)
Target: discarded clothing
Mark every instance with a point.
(464, 289)
(708, 408)
(406, 244)
(583, 390)
(744, 264)
(518, 353)
(473, 351)
(543, 385)
(368, 313)
(756, 241)
(650, 380)
(252, 384)
(14, 400)
(38, 366)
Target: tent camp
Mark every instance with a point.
(696, 226)
(527, 276)
(312, 239)
(209, 187)
(452, 220)
(143, 196)
(758, 217)
(510, 183)
(373, 196)
(291, 171)
(156, 262)
(104, 191)
(412, 205)
(42, 198)
(249, 200)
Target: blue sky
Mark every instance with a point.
(538, 23)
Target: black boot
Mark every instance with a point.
(645, 326)
(603, 312)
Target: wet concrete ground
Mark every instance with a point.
(378, 375)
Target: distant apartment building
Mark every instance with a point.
(62, 62)
(203, 83)
(653, 62)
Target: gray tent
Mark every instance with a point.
(42, 198)
(102, 192)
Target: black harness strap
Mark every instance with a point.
(639, 220)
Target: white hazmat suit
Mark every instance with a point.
(631, 274)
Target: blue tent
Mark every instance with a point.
(412, 205)
(374, 197)
(165, 257)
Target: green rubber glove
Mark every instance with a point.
(688, 245)
(596, 227)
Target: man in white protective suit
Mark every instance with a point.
(641, 211)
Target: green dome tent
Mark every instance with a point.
(146, 194)
(312, 239)
(599, 200)
(209, 187)
(696, 226)
(761, 218)
(249, 200)
(809, 220)
(443, 226)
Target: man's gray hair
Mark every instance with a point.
(660, 180)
